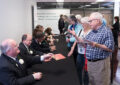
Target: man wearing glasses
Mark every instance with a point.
(99, 50)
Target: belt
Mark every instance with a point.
(92, 60)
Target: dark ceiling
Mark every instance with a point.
(75, 5)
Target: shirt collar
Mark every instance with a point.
(14, 58)
(98, 28)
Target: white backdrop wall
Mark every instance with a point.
(50, 17)
(15, 18)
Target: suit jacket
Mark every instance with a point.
(30, 56)
(12, 74)
(61, 23)
(43, 47)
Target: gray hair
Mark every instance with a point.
(97, 15)
(78, 17)
(6, 45)
(85, 20)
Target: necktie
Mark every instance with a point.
(18, 63)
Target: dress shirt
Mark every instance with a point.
(102, 35)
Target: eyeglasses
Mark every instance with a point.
(92, 20)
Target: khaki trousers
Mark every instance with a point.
(99, 72)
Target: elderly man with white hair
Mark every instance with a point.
(99, 51)
(100, 45)
(12, 69)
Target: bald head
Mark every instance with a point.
(9, 47)
(26, 39)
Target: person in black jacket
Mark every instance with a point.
(12, 68)
(29, 54)
(114, 60)
(115, 30)
(40, 44)
(61, 24)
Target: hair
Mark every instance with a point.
(61, 15)
(39, 35)
(6, 45)
(78, 17)
(24, 37)
(37, 28)
(48, 31)
(97, 15)
(117, 17)
(85, 20)
(73, 18)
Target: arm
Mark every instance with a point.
(108, 44)
(72, 49)
(94, 44)
(76, 37)
(9, 77)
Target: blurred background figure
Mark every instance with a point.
(114, 60)
(61, 24)
(49, 36)
(66, 24)
(78, 17)
(115, 30)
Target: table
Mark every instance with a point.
(61, 72)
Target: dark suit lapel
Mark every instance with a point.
(13, 62)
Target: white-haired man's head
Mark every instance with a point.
(95, 19)
(96, 15)
(9, 47)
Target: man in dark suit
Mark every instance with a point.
(40, 44)
(29, 54)
(13, 72)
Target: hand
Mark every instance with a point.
(93, 44)
(67, 40)
(47, 57)
(52, 48)
(72, 31)
(51, 43)
(37, 76)
(70, 53)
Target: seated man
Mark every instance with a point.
(39, 43)
(12, 71)
(30, 55)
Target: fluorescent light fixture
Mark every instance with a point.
(59, 0)
(94, 3)
(100, 0)
(87, 5)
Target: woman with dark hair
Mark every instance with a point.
(114, 61)
(38, 28)
(115, 30)
(70, 39)
(48, 31)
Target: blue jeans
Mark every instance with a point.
(82, 74)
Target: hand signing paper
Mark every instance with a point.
(37, 76)
(47, 57)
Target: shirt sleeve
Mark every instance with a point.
(109, 41)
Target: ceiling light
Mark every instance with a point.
(94, 3)
(59, 0)
(87, 5)
(100, 0)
